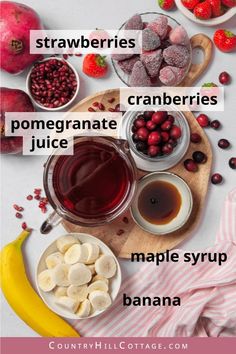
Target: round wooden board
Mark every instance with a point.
(134, 239)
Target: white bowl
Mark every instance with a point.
(41, 105)
(49, 297)
(212, 21)
(185, 208)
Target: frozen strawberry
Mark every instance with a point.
(225, 40)
(128, 64)
(178, 35)
(159, 26)
(190, 4)
(229, 3)
(203, 10)
(95, 65)
(139, 76)
(171, 76)
(152, 61)
(166, 4)
(121, 56)
(215, 7)
(176, 55)
(151, 40)
(134, 23)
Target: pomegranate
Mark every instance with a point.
(16, 22)
(12, 100)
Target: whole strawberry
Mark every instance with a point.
(203, 10)
(95, 65)
(225, 40)
(229, 3)
(166, 4)
(190, 4)
(215, 7)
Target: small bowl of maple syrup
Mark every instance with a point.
(163, 203)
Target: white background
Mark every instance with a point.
(20, 175)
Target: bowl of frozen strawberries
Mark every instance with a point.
(207, 12)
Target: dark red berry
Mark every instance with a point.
(171, 118)
(199, 157)
(101, 106)
(216, 178)
(111, 100)
(151, 125)
(173, 142)
(16, 207)
(167, 148)
(195, 138)
(215, 124)
(135, 138)
(37, 197)
(141, 146)
(133, 129)
(175, 132)
(203, 120)
(190, 165)
(165, 136)
(142, 134)
(224, 78)
(159, 117)
(154, 138)
(166, 125)
(139, 123)
(223, 143)
(153, 150)
(148, 115)
(232, 162)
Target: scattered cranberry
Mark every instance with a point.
(166, 125)
(173, 142)
(154, 138)
(24, 225)
(190, 165)
(199, 157)
(232, 163)
(141, 146)
(153, 150)
(151, 125)
(203, 120)
(171, 118)
(216, 178)
(175, 132)
(139, 122)
(224, 78)
(135, 138)
(167, 148)
(195, 138)
(159, 117)
(148, 115)
(215, 124)
(19, 215)
(165, 136)
(142, 134)
(29, 197)
(223, 143)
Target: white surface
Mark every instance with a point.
(20, 175)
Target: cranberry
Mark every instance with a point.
(159, 117)
(153, 150)
(141, 146)
(224, 78)
(133, 129)
(165, 136)
(190, 165)
(139, 123)
(199, 157)
(135, 138)
(232, 163)
(223, 143)
(166, 125)
(173, 142)
(101, 106)
(148, 115)
(171, 118)
(154, 138)
(150, 125)
(195, 138)
(175, 132)
(215, 124)
(203, 120)
(167, 148)
(142, 134)
(216, 178)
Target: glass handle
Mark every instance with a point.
(53, 220)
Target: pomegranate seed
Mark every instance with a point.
(16, 207)
(111, 100)
(29, 197)
(44, 210)
(24, 225)
(101, 106)
(90, 109)
(111, 109)
(216, 178)
(37, 197)
(19, 215)
(37, 191)
(95, 104)
(120, 232)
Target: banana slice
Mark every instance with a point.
(106, 266)
(60, 291)
(100, 300)
(75, 254)
(79, 274)
(100, 277)
(98, 285)
(65, 242)
(92, 268)
(53, 259)
(78, 293)
(84, 309)
(67, 303)
(60, 274)
(45, 280)
(93, 252)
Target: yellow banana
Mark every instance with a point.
(22, 297)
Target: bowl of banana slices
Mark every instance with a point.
(78, 276)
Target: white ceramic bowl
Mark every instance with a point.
(212, 21)
(49, 297)
(185, 208)
(41, 105)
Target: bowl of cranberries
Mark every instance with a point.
(158, 138)
(52, 83)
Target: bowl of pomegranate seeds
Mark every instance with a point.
(52, 84)
(158, 139)
(166, 52)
